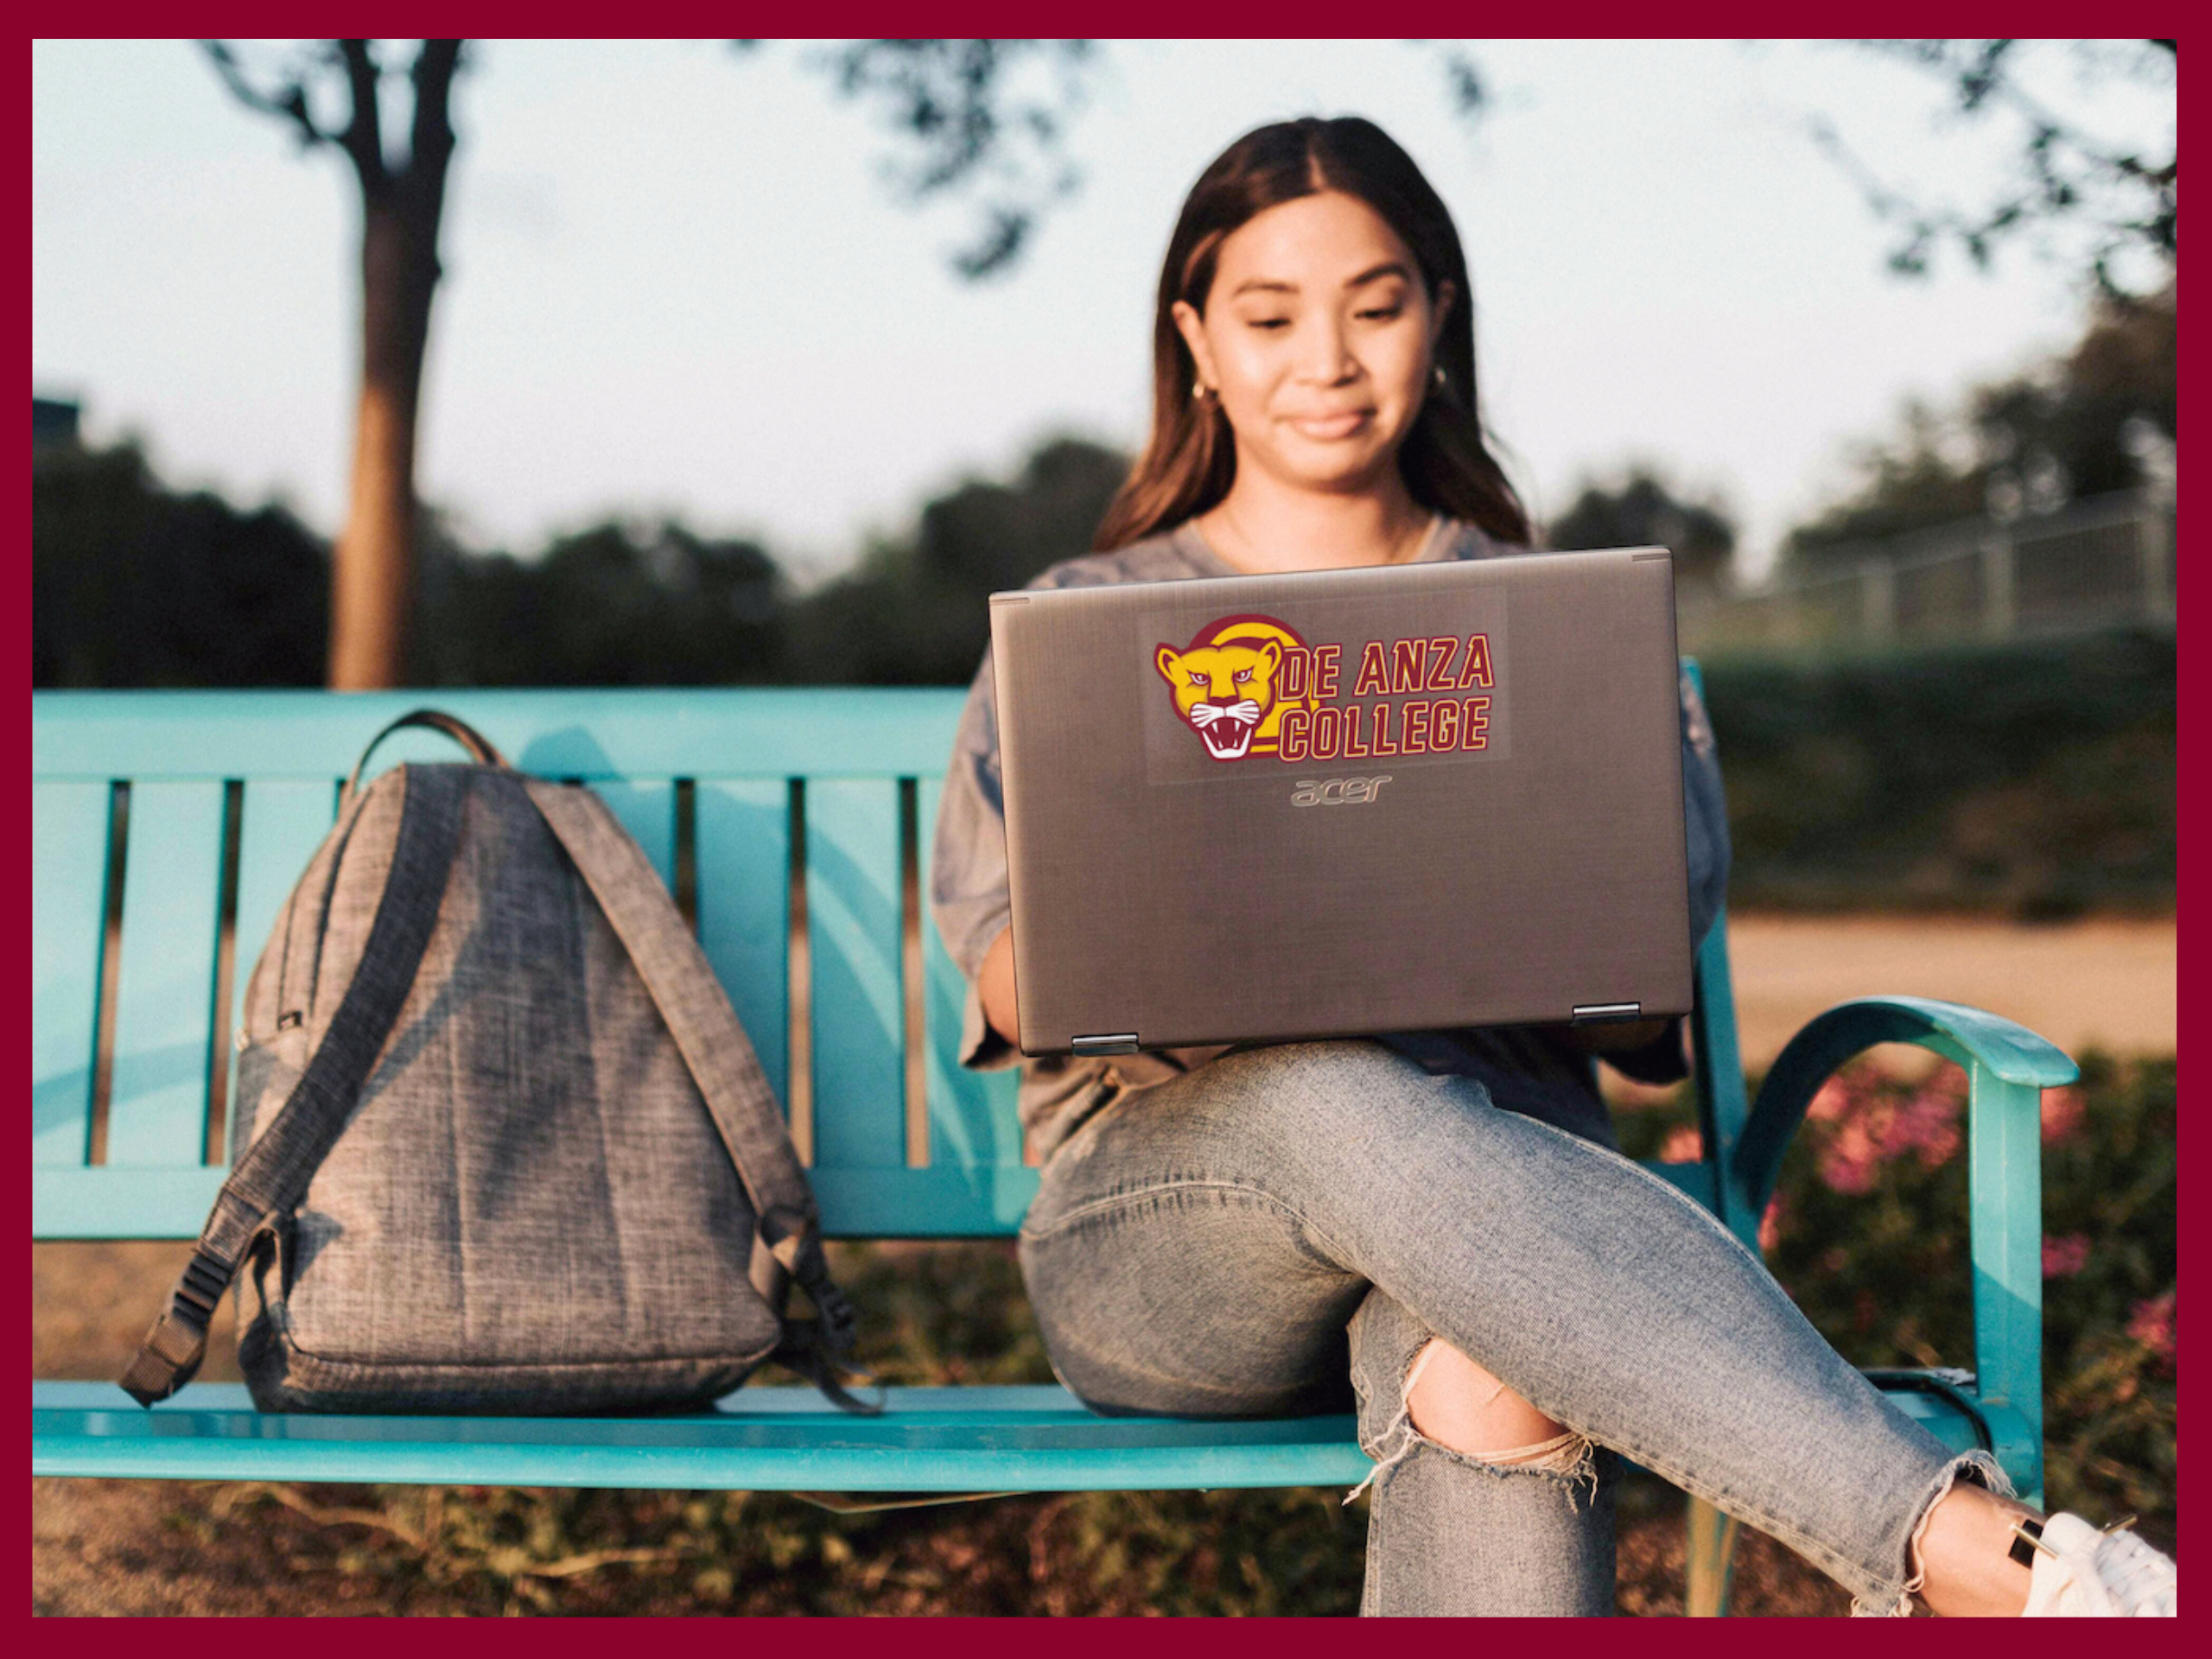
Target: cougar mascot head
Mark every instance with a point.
(1225, 684)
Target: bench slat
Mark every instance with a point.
(69, 830)
(859, 1018)
(941, 1439)
(111, 1203)
(943, 1201)
(280, 826)
(743, 842)
(972, 1118)
(165, 1009)
(1035, 1439)
(647, 811)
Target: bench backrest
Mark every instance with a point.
(795, 826)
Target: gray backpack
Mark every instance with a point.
(510, 1150)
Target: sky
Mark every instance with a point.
(677, 281)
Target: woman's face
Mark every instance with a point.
(1318, 335)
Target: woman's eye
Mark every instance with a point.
(1382, 314)
(1266, 323)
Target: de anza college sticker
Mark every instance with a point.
(1248, 686)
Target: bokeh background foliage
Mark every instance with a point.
(2034, 778)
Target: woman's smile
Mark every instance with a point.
(1324, 429)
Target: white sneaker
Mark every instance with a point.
(2080, 1573)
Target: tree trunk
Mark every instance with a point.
(372, 582)
(372, 578)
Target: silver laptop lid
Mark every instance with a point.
(1333, 803)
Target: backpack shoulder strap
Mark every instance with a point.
(722, 1063)
(273, 1175)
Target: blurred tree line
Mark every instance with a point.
(134, 584)
(1643, 510)
(2097, 419)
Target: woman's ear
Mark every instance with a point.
(1192, 328)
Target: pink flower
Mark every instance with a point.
(2151, 1324)
(1683, 1145)
(1851, 1161)
(2063, 1110)
(2064, 1257)
(1771, 1223)
(1877, 1123)
(1839, 1098)
(1927, 1126)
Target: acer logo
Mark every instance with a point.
(1337, 791)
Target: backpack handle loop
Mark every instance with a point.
(437, 720)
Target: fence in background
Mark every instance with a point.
(2096, 563)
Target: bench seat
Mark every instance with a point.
(970, 1439)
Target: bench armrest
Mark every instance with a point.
(2007, 1069)
(1985, 1045)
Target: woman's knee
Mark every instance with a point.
(1460, 1404)
(1418, 1390)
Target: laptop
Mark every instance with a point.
(1337, 802)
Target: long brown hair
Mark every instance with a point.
(1191, 458)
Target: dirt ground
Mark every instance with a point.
(131, 1547)
(170, 1548)
(2103, 982)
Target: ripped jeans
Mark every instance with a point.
(1248, 1239)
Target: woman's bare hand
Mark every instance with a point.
(994, 986)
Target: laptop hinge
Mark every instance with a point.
(1587, 1014)
(1120, 1043)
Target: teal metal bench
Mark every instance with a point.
(792, 824)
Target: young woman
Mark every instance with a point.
(1435, 1223)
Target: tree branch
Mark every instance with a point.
(431, 141)
(952, 100)
(2123, 201)
(1463, 77)
(288, 103)
(363, 139)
